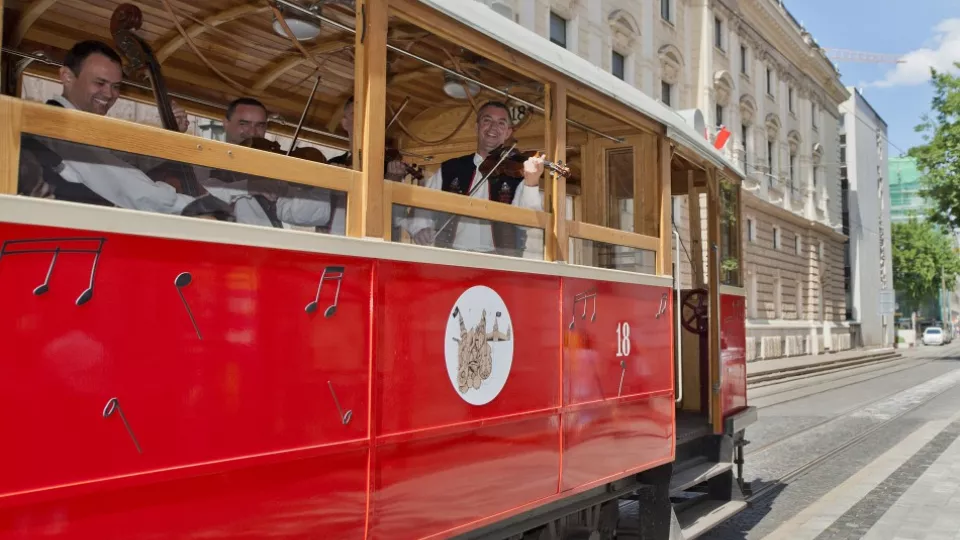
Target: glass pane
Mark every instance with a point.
(730, 257)
(440, 229)
(558, 30)
(55, 169)
(603, 255)
(619, 168)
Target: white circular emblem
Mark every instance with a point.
(478, 345)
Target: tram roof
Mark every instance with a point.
(490, 23)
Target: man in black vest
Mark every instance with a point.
(461, 175)
(91, 77)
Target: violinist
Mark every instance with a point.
(91, 76)
(396, 171)
(460, 175)
(262, 202)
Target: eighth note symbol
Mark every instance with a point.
(113, 406)
(344, 416)
(336, 275)
(583, 297)
(182, 281)
(623, 371)
(663, 305)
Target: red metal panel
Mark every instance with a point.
(415, 390)
(733, 353)
(604, 439)
(617, 348)
(432, 484)
(446, 457)
(317, 497)
(626, 323)
(252, 376)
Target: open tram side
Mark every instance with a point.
(195, 377)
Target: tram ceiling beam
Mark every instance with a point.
(449, 71)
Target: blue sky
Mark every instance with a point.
(925, 31)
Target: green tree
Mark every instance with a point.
(921, 253)
(939, 158)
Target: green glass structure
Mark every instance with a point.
(905, 199)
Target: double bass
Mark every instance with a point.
(140, 59)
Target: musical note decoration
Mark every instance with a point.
(345, 417)
(13, 247)
(181, 281)
(623, 371)
(335, 274)
(664, 302)
(584, 297)
(113, 406)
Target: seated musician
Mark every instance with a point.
(91, 77)
(262, 201)
(459, 175)
(395, 171)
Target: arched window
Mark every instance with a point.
(722, 92)
(671, 64)
(773, 132)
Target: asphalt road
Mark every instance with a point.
(880, 411)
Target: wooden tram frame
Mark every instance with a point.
(679, 168)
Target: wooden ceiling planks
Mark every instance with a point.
(237, 37)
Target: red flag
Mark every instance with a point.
(722, 136)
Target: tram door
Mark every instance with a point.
(697, 295)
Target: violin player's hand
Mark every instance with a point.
(181, 115)
(396, 171)
(532, 171)
(424, 237)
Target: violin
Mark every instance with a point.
(505, 160)
(308, 153)
(140, 58)
(392, 154)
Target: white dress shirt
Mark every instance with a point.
(114, 179)
(472, 234)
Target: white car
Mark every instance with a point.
(933, 336)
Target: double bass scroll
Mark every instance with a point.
(140, 60)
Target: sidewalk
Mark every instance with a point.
(910, 492)
(758, 367)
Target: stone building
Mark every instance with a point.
(747, 65)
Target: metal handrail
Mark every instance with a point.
(679, 329)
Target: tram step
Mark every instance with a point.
(696, 520)
(820, 367)
(696, 475)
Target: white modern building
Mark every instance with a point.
(865, 193)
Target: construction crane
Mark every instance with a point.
(844, 55)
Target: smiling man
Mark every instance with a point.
(460, 175)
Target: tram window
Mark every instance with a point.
(69, 171)
(618, 179)
(602, 255)
(731, 259)
(462, 233)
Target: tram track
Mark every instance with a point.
(797, 472)
(844, 413)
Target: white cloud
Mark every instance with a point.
(916, 67)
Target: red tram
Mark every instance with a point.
(172, 377)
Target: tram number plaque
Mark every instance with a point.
(623, 339)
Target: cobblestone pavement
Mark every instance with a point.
(901, 482)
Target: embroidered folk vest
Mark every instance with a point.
(457, 176)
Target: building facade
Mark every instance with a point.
(749, 66)
(865, 197)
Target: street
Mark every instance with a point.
(874, 458)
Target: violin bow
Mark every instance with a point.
(296, 134)
(480, 183)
